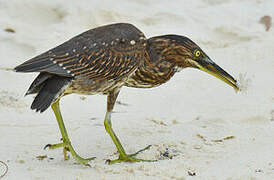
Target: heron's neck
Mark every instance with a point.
(153, 71)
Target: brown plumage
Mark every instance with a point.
(94, 62)
(104, 59)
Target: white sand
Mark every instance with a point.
(210, 131)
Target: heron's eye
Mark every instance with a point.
(197, 53)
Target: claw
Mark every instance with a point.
(107, 161)
(87, 164)
(47, 146)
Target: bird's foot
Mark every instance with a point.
(59, 145)
(67, 147)
(130, 157)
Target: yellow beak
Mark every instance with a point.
(215, 70)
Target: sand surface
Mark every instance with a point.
(199, 128)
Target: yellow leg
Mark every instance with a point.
(122, 154)
(66, 144)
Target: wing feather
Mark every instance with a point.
(101, 53)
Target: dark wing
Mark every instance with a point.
(107, 52)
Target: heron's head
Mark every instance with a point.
(183, 52)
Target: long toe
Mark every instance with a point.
(67, 147)
(54, 146)
(83, 161)
(78, 158)
(144, 149)
(128, 158)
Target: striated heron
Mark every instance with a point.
(104, 59)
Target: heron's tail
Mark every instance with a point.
(49, 88)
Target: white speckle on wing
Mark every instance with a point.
(177, 69)
(67, 54)
(85, 47)
(132, 42)
(74, 50)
